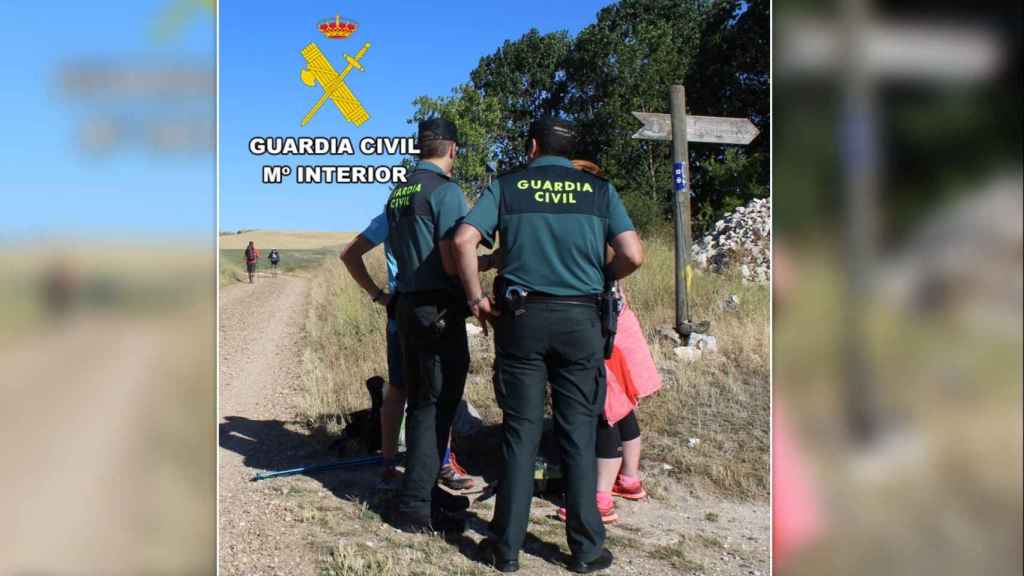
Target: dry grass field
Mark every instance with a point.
(282, 239)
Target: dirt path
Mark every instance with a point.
(91, 432)
(260, 351)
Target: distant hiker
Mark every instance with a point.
(60, 288)
(274, 258)
(251, 254)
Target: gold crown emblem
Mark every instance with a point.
(336, 28)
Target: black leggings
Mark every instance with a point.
(610, 438)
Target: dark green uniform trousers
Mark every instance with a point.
(561, 343)
(435, 362)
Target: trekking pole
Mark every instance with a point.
(339, 465)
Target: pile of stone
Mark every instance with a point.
(742, 239)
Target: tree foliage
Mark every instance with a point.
(479, 120)
(625, 61)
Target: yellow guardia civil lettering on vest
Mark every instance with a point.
(402, 196)
(554, 192)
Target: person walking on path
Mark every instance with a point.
(252, 254)
(275, 258)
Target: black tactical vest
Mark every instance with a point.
(412, 233)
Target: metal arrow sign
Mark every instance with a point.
(713, 129)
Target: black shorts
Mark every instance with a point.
(250, 267)
(610, 438)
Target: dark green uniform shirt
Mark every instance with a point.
(554, 222)
(422, 212)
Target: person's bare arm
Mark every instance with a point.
(484, 262)
(352, 257)
(628, 256)
(467, 238)
(447, 257)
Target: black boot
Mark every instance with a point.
(418, 523)
(487, 553)
(441, 499)
(603, 560)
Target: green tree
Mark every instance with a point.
(626, 61)
(729, 77)
(478, 119)
(527, 77)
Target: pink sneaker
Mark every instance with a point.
(606, 509)
(629, 488)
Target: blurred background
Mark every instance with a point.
(107, 288)
(897, 287)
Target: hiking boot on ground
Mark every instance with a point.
(440, 522)
(455, 477)
(602, 562)
(487, 553)
(442, 500)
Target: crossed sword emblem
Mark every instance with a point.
(319, 69)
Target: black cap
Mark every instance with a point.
(553, 134)
(437, 129)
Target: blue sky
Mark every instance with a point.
(49, 186)
(414, 51)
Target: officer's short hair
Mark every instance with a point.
(435, 136)
(435, 148)
(554, 136)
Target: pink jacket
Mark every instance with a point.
(631, 371)
(796, 518)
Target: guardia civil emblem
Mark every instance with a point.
(319, 70)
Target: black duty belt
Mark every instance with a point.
(542, 297)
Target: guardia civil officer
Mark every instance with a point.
(431, 310)
(553, 223)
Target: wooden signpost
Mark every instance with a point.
(860, 51)
(682, 129)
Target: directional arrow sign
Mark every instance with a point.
(904, 50)
(698, 128)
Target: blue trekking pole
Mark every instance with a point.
(339, 465)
